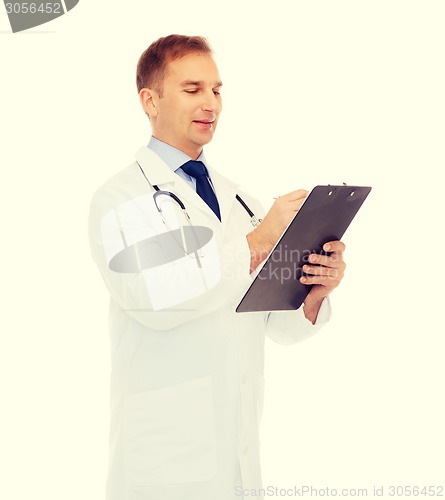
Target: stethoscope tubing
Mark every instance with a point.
(158, 192)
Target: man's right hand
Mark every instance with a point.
(264, 237)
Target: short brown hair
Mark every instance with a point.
(153, 62)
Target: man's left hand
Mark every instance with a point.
(325, 273)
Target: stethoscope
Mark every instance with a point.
(160, 192)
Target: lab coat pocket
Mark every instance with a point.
(170, 434)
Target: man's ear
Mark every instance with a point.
(148, 98)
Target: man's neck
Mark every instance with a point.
(193, 153)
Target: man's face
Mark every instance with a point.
(187, 113)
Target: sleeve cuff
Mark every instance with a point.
(290, 327)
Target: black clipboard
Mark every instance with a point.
(324, 216)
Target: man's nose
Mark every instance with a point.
(212, 103)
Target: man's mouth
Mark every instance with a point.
(204, 124)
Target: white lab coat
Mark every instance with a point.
(187, 370)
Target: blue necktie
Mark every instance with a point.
(198, 170)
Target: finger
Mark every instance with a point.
(330, 272)
(328, 281)
(334, 246)
(299, 194)
(295, 199)
(335, 260)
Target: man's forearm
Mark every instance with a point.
(259, 250)
(262, 239)
(311, 308)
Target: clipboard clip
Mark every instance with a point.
(344, 184)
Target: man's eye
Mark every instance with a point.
(193, 91)
(217, 92)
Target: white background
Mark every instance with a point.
(315, 91)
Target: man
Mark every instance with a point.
(176, 250)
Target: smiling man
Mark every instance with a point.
(187, 370)
(184, 112)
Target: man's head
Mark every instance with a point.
(179, 88)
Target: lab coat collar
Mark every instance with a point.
(158, 173)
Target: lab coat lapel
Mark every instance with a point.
(225, 192)
(156, 171)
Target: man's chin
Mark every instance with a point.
(202, 140)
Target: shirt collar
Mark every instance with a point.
(173, 157)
